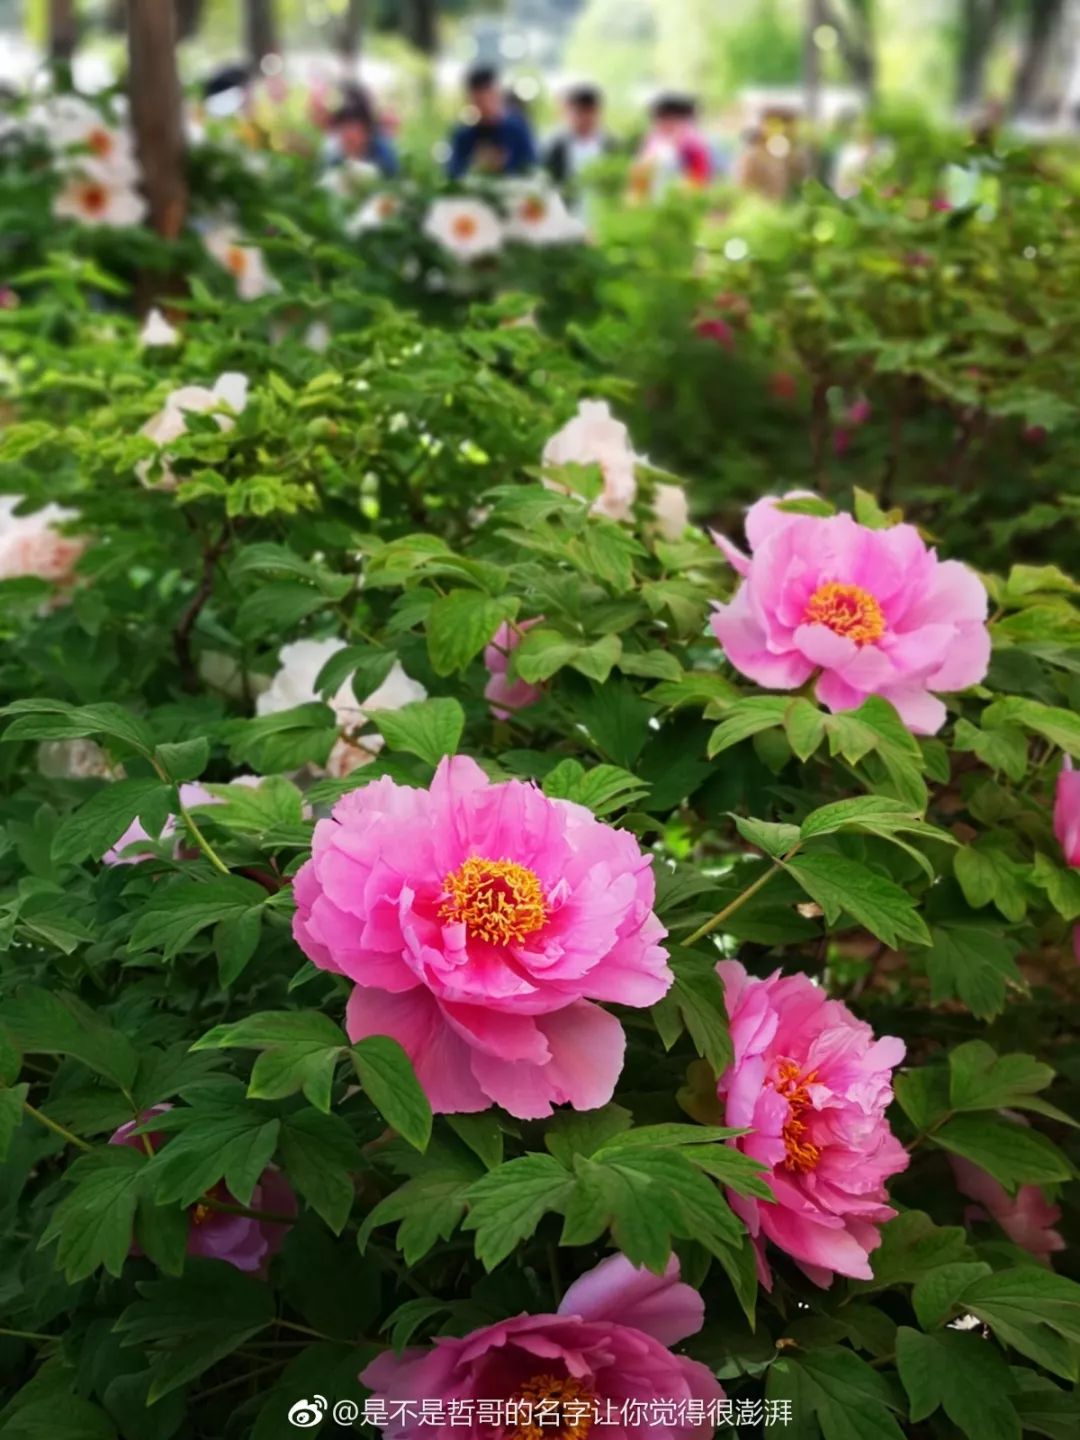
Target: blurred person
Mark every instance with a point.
(496, 139)
(357, 138)
(226, 91)
(772, 163)
(582, 139)
(675, 148)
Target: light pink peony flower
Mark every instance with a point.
(479, 921)
(239, 1240)
(506, 693)
(1027, 1217)
(763, 518)
(607, 1344)
(1067, 812)
(871, 612)
(594, 437)
(812, 1084)
(124, 853)
(32, 545)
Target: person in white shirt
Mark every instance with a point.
(582, 140)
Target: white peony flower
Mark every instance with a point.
(671, 511)
(31, 544)
(317, 336)
(468, 229)
(244, 263)
(540, 217)
(595, 437)
(75, 760)
(157, 331)
(349, 179)
(94, 196)
(375, 212)
(170, 423)
(111, 147)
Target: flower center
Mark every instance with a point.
(496, 900)
(464, 227)
(236, 260)
(199, 1213)
(802, 1155)
(100, 142)
(93, 198)
(846, 610)
(533, 210)
(554, 1408)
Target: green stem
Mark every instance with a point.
(273, 1217)
(43, 1119)
(26, 1334)
(740, 900)
(201, 840)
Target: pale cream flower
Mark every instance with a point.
(94, 196)
(539, 217)
(229, 390)
(157, 331)
(375, 212)
(76, 760)
(244, 263)
(671, 511)
(468, 229)
(32, 545)
(595, 437)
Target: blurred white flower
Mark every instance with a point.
(376, 211)
(110, 146)
(349, 179)
(244, 263)
(157, 331)
(75, 760)
(468, 229)
(671, 511)
(317, 336)
(94, 196)
(595, 437)
(540, 217)
(32, 545)
(170, 422)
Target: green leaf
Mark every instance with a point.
(843, 886)
(980, 1079)
(188, 1324)
(746, 718)
(429, 1206)
(937, 1295)
(698, 992)
(1062, 886)
(235, 941)
(11, 1114)
(59, 1417)
(221, 1137)
(912, 1246)
(390, 1082)
(460, 624)
(482, 1134)
(285, 740)
(804, 726)
(775, 839)
(847, 1397)
(54, 1023)
(988, 875)
(93, 1223)
(1004, 748)
(96, 825)
(10, 1057)
(602, 788)
(1013, 1154)
(184, 760)
(582, 1132)
(300, 1051)
(506, 1206)
(320, 1156)
(975, 965)
(428, 728)
(1034, 1311)
(178, 912)
(962, 1375)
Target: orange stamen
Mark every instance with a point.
(846, 610)
(496, 900)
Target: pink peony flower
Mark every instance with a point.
(716, 329)
(607, 1345)
(1067, 812)
(871, 612)
(1027, 1217)
(479, 921)
(594, 437)
(239, 1240)
(762, 519)
(32, 545)
(812, 1085)
(506, 693)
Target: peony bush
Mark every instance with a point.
(498, 933)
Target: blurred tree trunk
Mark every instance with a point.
(1043, 20)
(853, 21)
(189, 14)
(157, 112)
(815, 17)
(980, 22)
(262, 29)
(63, 34)
(421, 25)
(351, 32)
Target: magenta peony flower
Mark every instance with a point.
(1067, 812)
(239, 1240)
(603, 1360)
(871, 612)
(506, 693)
(1027, 1217)
(478, 922)
(812, 1085)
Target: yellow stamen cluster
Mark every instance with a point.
(496, 900)
(561, 1408)
(802, 1155)
(847, 610)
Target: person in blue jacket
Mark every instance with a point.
(355, 134)
(496, 138)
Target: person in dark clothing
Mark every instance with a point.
(496, 139)
(355, 135)
(581, 140)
